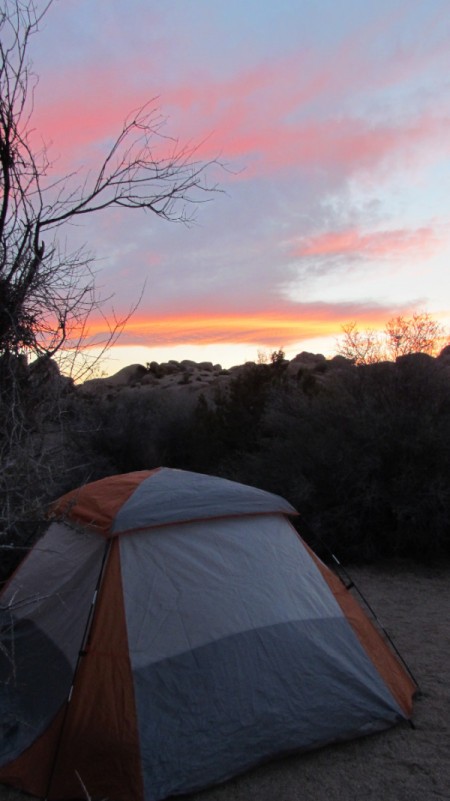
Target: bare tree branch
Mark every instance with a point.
(402, 335)
(45, 292)
(49, 295)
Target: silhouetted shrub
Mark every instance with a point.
(362, 452)
(363, 455)
(140, 431)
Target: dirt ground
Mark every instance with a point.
(402, 764)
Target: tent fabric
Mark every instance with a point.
(162, 496)
(200, 665)
(371, 640)
(42, 617)
(178, 496)
(95, 505)
(100, 733)
(218, 640)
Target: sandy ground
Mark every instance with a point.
(402, 764)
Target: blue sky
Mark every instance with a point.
(333, 120)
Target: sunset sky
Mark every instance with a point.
(333, 120)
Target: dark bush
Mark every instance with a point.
(362, 452)
(364, 457)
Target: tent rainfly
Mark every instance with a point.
(171, 630)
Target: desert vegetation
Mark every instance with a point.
(402, 335)
(362, 451)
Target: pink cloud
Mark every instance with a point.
(338, 145)
(265, 117)
(419, 243)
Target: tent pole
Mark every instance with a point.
(349, 584)
(81, 653)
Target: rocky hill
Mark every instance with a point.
(197, 377)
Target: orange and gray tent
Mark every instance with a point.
(171, 630)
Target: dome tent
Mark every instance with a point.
(216, 640)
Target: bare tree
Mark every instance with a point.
(402, 335)
(361, 348)
(48, 295)
(416, 334)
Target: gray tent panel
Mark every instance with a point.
(239, 651)
(43, 615)
(171, 496)
(211, 713)
(190, 584)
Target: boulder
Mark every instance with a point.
(445, 354)
(126, 376)
(305, 361)
(341, 362)
(306, 358)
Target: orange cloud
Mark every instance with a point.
(270, 328)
